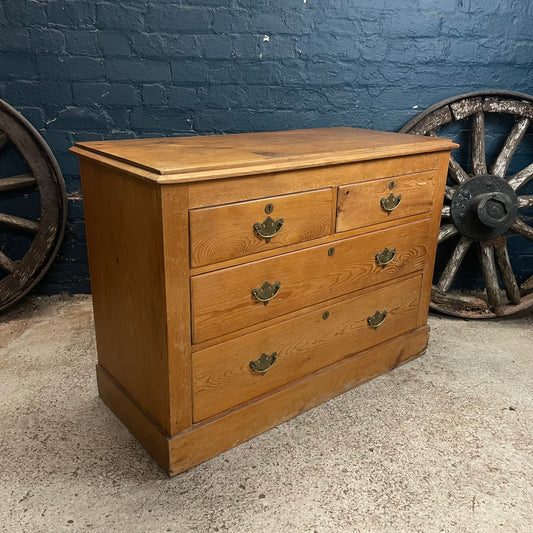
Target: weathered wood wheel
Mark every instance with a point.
(35, 239)
(482, 207)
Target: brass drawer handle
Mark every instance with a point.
(264, 363)
(390, 203)
(266, 292)
(269, 228)
(377, 319)
(385, 257)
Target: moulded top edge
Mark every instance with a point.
(179, 159)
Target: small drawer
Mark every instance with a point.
(234, 230)
(233, 298)
(222, 374)
(371, 202)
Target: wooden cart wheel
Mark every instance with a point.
(482, 207)
(28, 244)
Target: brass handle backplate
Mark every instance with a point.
(264, 363)
(390, 203)
(269, 228)
(385, 257)
(377, 319)
(266, 292)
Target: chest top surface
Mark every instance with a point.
(185, 159)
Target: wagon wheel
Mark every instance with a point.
(44, 231)
(483, 207)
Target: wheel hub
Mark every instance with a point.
(484, 207)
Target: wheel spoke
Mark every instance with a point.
(449, 192)
(527, 285)
(446, 232)
(6, 264)
(456, 172)
(446, 211)
(451, 268)
(506, 271)
(18, 223)
(488, 267)
(17, 182)
(521, 178)
(511, 144)
(525, 201)
(523, 229)
(479, 165)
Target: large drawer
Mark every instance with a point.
(223, 301)
(223, 378)
(234, 230)
(372, 202)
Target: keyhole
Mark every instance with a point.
(269, 208)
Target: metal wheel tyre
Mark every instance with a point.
(484, 206)
(36, 238)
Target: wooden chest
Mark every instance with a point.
(239, 280)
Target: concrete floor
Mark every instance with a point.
(442, 444)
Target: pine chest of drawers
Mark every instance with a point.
(239, 280)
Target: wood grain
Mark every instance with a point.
(359, 204)
(220, 433)
(127, 280)
(332, 238)
(223, 232)
(222, 300)
(177, 307)
(293, 314)
(222, 377)
(213, 436)
(182, 159)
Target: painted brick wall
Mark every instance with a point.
(89, 69)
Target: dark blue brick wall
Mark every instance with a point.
(90, 69)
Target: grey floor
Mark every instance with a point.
(444, 443)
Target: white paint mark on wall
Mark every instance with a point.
(266, 38)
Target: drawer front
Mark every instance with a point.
(372, 202)
(224, 301)
(227, 231)
(223, 378)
